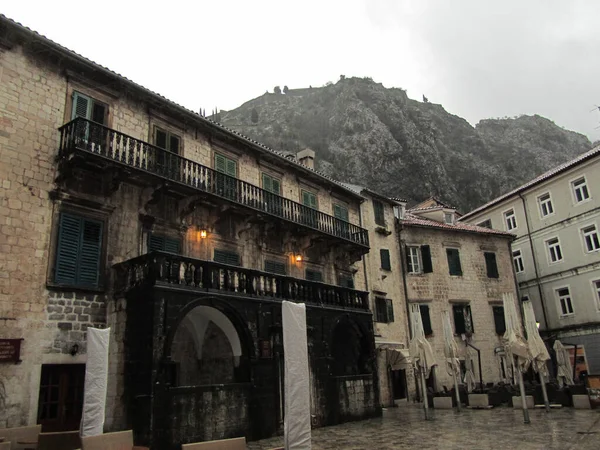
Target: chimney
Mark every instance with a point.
(306, 157)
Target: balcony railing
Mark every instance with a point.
(160, 268)
(91, 137)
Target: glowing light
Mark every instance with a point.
(298, 258)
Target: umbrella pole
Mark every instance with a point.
(456, 389)
(523, 399)
(544, 392)
(424, 391)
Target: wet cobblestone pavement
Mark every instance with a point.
(500, 428)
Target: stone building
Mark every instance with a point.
(463, 269)
(556, 218)
(120, 208)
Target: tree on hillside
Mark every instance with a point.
(254, 115)
(285, 89)
(277, 90)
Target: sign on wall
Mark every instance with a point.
(10, 350)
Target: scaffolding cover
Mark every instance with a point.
(297, 390)
(96, 378)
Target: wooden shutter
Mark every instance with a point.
(499, 321)
(345, 280)
(340, 212)
(67, 251)
(454, 267)
(491, 265)
(231, 167)
(276, 186)
(314, 275)
(172, 245)
(155, 243)
(459, 319)
(380, 309)
(173, 143)
(275, 267)
(90, 253)
(385, 259)
(81, 107)
(267, 183)
(390, 310)
(426, 319)
(160, 138)
(426, 259)
(220, 163)
(227, 257)
(379, 213)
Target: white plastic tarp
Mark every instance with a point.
(297, 389)
(96, 378)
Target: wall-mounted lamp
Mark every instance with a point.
(298, 258)
(202, 234)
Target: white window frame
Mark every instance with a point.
(574, 189)
(513, 217)
(449, 215)
(417, 255)
(584, 235)
(596, 291)
(559, 305)
(558, 261)
(542, 203)
(520, 257)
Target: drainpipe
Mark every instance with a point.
(535, 265)
(360, 224)
(404, 284)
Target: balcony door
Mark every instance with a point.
(226, 182)
(61, 397)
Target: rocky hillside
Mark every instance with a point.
(366, 134)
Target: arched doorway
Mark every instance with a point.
(206, 349)
(350, 350)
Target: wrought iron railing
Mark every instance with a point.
(91, 137)
(167, 268)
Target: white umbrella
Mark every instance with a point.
(451, 353)
(420, 351)
(515, 346)
(537, 348)
(563, 361)
(469, 378)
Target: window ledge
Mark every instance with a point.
(382, 230)
(68, 287)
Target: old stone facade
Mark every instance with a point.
(462, 269)
(119, 208)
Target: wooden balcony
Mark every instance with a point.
(83, 137)
(168, 269)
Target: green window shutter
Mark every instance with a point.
(91, 249)
(499, 320)
(173, 143)
(231, 168)
(172, 245)
(380, 309)
(220, 163)
(309, 199)
(267, 183)
(426, 257)
(385, 259)
(426, 319)
(67, 252)
(390, 310)
(156, 243)
(345, 280)
(454, 267)
(276, 186)
(340, 212)
(459, 319)
(314, 275)
(491, 265)
(379, 213)
(227, 257)
(275, 267)
(81, 107)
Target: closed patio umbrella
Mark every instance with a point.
(421, 352)
(537, 348)
(469, 378)
(563, 361)
(515, 346)
(451, 354)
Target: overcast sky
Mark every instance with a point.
(478, 58)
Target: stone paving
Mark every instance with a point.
(500, 428)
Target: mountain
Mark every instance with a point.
(366, 134)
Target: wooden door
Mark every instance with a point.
(61, 397)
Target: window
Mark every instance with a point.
(545, 202)
(88, 108)
(79, 251)
(499, 320)
(227, 257)
(554, 251)
(580, 190)
(449, 218)
(163, 244)
(510, 219)
(275, 267)
(596, 287)
(413, 260)
(273, 203)
(518, 261)
(309, 216)
(426, 259)
(453, 256)
(379, 213)
(385, 259)
(426, 319)
(340, 212)
(485, 224)
(463, 322)
(226, 184)
(271, 184)
(61, 396)
(591, 239)
(166, 140)
(345, 280)
(309, 199)
(314, 275)
(384, 310)
(491, 265)
(565, 302)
